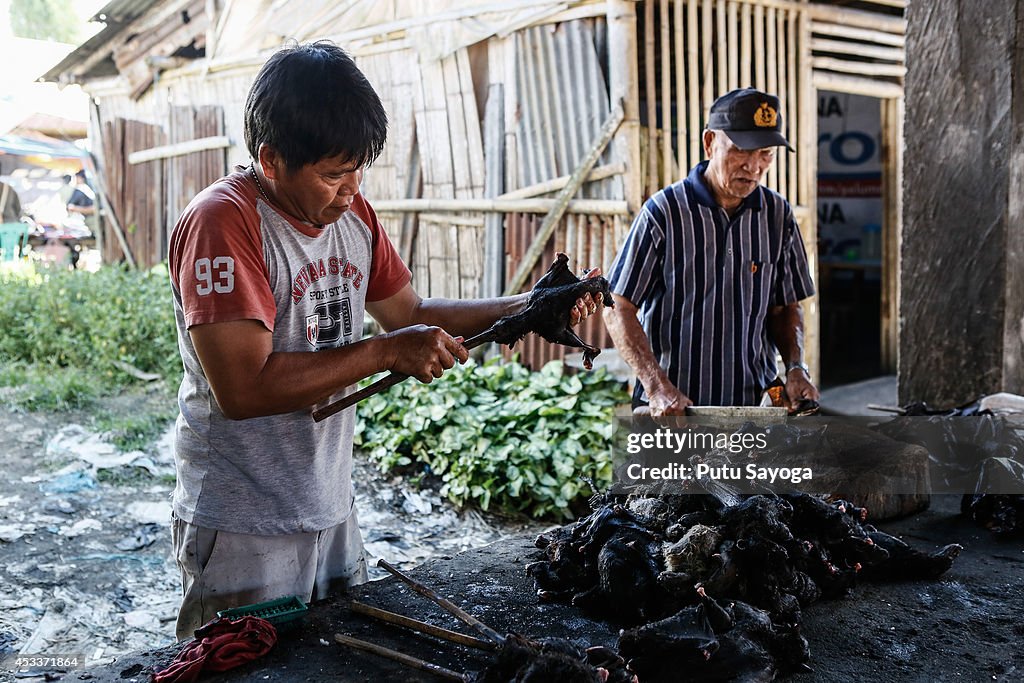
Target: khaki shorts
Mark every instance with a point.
(220, 570)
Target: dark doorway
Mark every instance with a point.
(850, 236)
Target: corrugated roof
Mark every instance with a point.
(117, 15)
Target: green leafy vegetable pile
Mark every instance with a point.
(499, 435)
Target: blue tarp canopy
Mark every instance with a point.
(22, 146)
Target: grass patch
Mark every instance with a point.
(141, 425)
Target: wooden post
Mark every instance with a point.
(494, 184)
(962, 254)
(562, 200)
(623, 78)
(807, 152)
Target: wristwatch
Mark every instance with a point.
(798, 364)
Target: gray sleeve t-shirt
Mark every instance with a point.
(234, 257)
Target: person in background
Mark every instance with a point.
(272, 269)
(715, 267)
(83, 201)
(10, 204)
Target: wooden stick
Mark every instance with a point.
(446, 604)
(385, 383)
(562, 200)
(421, 626)
(556, 184)
(399, 657)
(887, 409)
(598, 207)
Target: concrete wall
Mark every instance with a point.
(962, 306)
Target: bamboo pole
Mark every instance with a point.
(556, 184)
(733, 44)
(666, 94)
(856, 85)
(858, 68)
(891, 54)
(807, 151)
(444, 603)
(420, 626)
(623, 78)
(759, 52)
(708, 74)
(651, 183)
(682, 58)
(859, 34)
(693, 91)
(745, 76)
(562, 201)
(892, 229)
(401, 658)
(778, 35)
(771, 84)
(722, 85)
(793, 105)
(599, 207)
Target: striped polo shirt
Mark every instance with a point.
(703, 283)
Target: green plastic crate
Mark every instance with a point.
(280, 611)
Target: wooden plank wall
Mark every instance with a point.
(436, 143)
(135, 191)
(185, 176)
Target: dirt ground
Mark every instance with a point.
(965, 627)
(85, 558)
(69, 585)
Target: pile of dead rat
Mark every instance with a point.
(696, 584)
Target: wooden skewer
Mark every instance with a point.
(386, 382)
(405, 659)
(422, 627)
(446, 604)
(887, 409)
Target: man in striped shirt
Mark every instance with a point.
(715, 267)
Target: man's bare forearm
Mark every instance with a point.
(632, 342)
(786, 331)
(467, 317)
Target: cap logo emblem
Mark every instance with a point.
(765, 116)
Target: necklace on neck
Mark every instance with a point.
(252, 169)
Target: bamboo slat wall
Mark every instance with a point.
(693, 51)
(562, 104)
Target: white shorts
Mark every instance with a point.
(220, 569)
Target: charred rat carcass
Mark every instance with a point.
(606, 563)
(714, 642)
(657, 562)
(548, 311)
(522, 660)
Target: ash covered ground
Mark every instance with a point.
(87, 571)
(85, 556)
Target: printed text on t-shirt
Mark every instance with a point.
(315, 270)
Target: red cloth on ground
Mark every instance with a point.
(219, 645)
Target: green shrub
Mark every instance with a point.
(36, 387)
(498, 434)
(90, 321)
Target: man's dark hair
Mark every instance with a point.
(310, 102)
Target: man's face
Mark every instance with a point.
(734, 172)
(318, 193)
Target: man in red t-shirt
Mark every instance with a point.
(272, 269)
